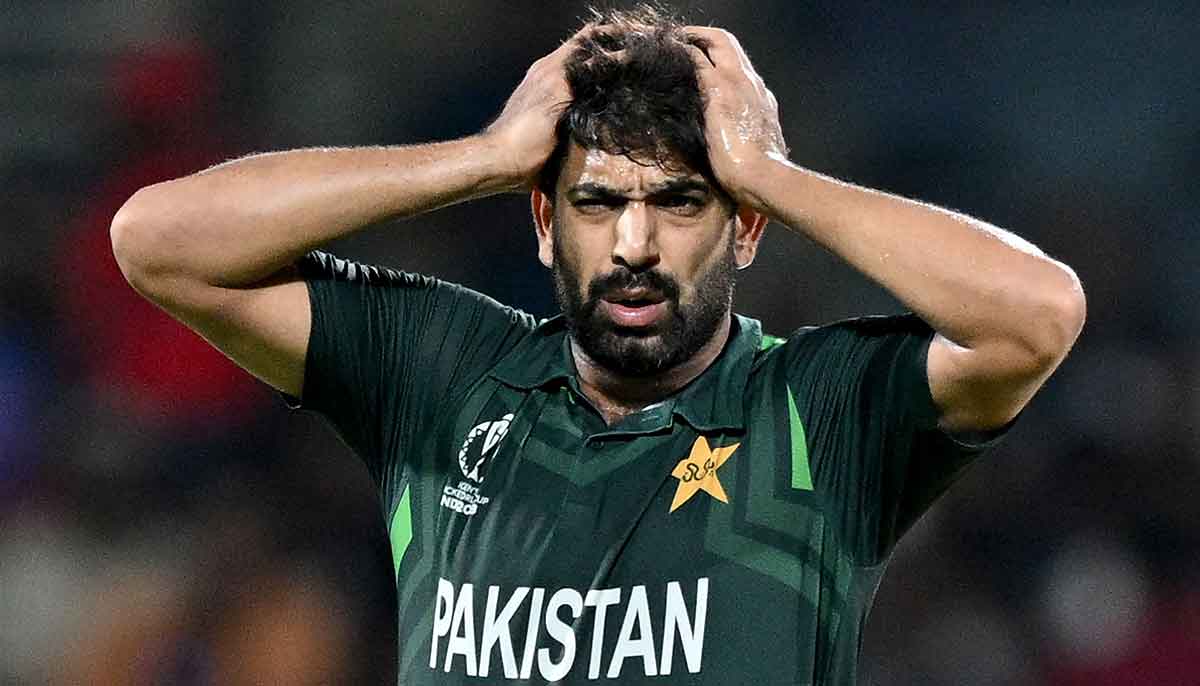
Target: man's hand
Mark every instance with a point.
(525, 127)
(741, 114)
(1006, 315)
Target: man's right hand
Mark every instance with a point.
(215, 249)
(525, 129)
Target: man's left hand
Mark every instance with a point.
(741, 114)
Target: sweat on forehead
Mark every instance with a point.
(595, 169)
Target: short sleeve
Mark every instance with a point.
(879, 459)
(388, 348)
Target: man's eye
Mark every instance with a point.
(678, 201)
(682, 204)
(595, 205)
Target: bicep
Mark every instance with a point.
(978, 389)
(264, 328)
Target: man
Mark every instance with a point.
(647, 488)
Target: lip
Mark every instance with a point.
(634, 316)
(627, 294)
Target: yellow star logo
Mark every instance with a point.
(699, 472)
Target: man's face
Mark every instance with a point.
(643, 260)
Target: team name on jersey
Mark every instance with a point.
(649, 633)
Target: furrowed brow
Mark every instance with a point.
(680, 186)
(594, 190)
(590, 189)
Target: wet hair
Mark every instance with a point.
(634, 92)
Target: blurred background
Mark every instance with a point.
(165, 520)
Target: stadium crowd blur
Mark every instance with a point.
(165, 520)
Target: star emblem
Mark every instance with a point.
(699, 472)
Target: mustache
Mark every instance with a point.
(623, 279)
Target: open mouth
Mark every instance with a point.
(634, 309)
(635, 302)
(635, 298)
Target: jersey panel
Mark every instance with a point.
(387, 351)
(386, 347)
(878, 458)
(733, 533)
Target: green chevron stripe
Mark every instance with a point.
(801, 475)
(769, 341)
(400, 532)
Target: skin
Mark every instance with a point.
(612, 213)
(214, 249)
(1005, 314)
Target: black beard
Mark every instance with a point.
(646, 351)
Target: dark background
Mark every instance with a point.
(164, 520)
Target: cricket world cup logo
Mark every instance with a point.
(480, 443)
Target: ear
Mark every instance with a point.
(543, 224)
(748, 230)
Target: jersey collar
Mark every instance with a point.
(714, 400)
(542, 357)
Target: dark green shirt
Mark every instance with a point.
(733, 533)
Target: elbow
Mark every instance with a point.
(137, 235)
(1059, 320)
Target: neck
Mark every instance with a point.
(616, 396)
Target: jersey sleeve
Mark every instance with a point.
(388, 348)
(879, 459)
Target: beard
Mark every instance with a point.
(643, 351)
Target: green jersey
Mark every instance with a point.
(733, 533)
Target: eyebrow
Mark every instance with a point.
(678, 185)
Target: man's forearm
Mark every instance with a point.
(237, 223)
(976, 284)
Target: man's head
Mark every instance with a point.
(643, 242)
(634, 92)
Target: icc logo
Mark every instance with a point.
(480, 442)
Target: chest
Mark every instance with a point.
(530, 487)
(611, 548)
(536, 490)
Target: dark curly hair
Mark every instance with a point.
(634, 92)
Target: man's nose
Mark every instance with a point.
(635, 246)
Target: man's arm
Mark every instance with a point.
(1006, 315)
(216, 249)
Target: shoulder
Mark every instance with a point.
(843, 353)
(844, 333)
(864, 327)
(322, 266)
(395, 288)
